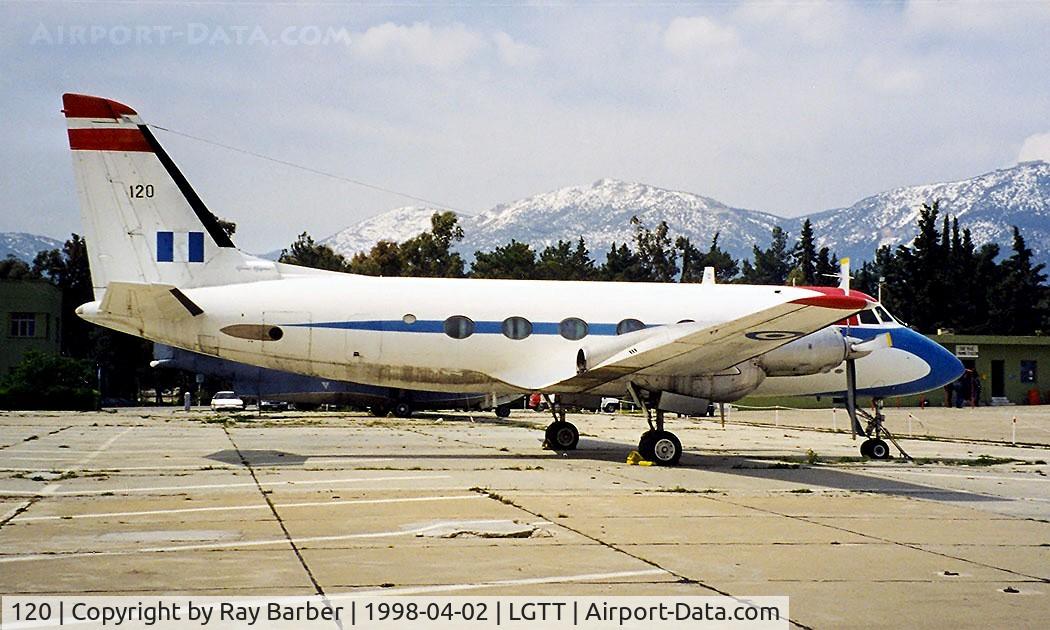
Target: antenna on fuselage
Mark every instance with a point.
(709, 276)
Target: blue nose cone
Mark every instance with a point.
(945, 367)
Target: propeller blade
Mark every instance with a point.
(858, 348)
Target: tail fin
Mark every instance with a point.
(142, 220)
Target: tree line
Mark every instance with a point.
(942, 280)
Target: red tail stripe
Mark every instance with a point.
(83, 106)
(108, 140)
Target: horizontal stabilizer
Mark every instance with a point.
(143, 301)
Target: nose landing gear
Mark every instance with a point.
(874, 447)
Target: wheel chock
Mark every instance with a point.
(634, 458)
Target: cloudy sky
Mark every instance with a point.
(789, 107)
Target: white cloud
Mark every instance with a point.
(703, 39)
(513, 53)
(814, 22)
(1035, 147)
(889, 77)
(421, 44)
(988, 19)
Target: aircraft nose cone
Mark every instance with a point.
(945, 367)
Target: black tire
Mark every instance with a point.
(865, 448)
(610, 407)
(502, 411)
(379, 411)
(562, 436)
(645, 444)
(879, 449)
(403, 410)
(666, 449)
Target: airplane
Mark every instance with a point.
(308, 392)
(162, 268)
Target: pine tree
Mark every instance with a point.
(657, 257)
(563, 262)
(430, 255)
(622, 265)
(307, 253)
(513, 261)
(804, 255)
(1019, 307)
(772, 265)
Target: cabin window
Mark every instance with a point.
(628, 325)
(517, 328)
(686, 321)
(459, 327)
(573, 328)
(883, 315)
(409, 319)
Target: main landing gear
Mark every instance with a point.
(560, 435)
(656, 445)
(875, 447)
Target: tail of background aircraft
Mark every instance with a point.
(143, 223)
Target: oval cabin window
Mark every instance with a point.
(628, 325)
(459, 327)
(573, 328)
(517, 328)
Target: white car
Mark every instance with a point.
(228, 401)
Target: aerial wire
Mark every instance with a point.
(316, 171)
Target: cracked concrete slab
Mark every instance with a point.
(163, 501)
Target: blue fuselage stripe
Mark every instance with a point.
(438, 326)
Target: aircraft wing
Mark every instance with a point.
(692, 348)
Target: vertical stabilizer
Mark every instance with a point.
(142, 220)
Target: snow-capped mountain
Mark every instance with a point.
(25, 246)
(600, 213)
(988, 205)
(396, 225)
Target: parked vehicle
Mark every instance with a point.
(226, 401)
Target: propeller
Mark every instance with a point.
(857, 348)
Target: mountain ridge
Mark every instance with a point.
(988, 204)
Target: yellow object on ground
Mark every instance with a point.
(634, 458)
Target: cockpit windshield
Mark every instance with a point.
(874, 316)
(884, 315)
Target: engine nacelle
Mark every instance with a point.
(732, 384)
(818, 352)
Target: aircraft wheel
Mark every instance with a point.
(502, 411)
(562, 436)
(865, 448)
(878, 449)
(667, 449)
(403, 410)
(645, 444)
(379, 411)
